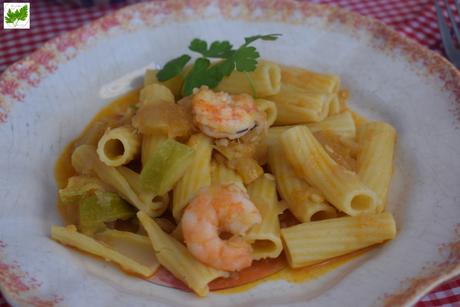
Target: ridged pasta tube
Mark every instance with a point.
(375, 157)
(310, 80)
(118, 146)
(265, 81)
(197, 175)
(274, 133)
(298, 106)
(175, 257)
(341, 125)
(313, 242)
(265, 237)
(69, 236)
(341, 187)
(305, 202)
(137, 247)
(269, 108)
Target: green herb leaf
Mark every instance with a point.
(23, 13)
(246, 59)
(218, 49)
(267, 37)
(10, 17)
(198, 45)
(201, 74)
(20, 14)
(173, 68)
(226, 67)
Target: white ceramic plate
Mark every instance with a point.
(47, 98)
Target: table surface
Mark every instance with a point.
(414, 18)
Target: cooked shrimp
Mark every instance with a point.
(215, 210)
(221, 115)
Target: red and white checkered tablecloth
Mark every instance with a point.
(414, 18)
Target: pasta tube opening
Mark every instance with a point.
(114, 149)
(269, 108)
(266, 246)
(118, 146)
(323, 213)
(361, 202)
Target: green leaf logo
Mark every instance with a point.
(13, 17)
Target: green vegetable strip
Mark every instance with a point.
(165, 166)
(103, 207)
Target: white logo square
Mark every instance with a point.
(16, 15)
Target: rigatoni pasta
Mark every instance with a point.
(313, 242)
(341, 125)
(69, 236)
(340, 186)
(305, 202)
(310, 80)
(375, 158)
(197, 175)
(134, 246)
(265, 237)
(269, 108)
(118, 146)
(264, 81)
(176, 258)
(298, 106)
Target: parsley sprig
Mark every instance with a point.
(15, 16)
(203, 72)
